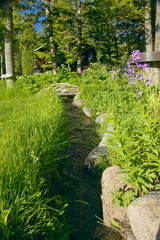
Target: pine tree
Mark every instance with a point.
(28, 42)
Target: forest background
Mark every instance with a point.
(103, 30)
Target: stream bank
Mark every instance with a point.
(84, 196)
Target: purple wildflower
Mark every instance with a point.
(137, 75)
(136, 56)
(130, 72)
(133, 70)
(145, 66)
(138, 92)
(130, 80)
(129, 65)
(141, 78)
(147, 81)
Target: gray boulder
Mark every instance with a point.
(131, 237)
(106, 136)
(87, 111)
(94, 157)
(144, 216)
(110, 181)
(100, 119)
(77, 102)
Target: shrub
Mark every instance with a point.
(34, 83)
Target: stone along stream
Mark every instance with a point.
(84, 196)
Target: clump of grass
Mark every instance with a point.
(32, 139)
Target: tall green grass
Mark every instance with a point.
(32, 140)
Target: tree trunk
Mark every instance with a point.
(157, 27)
(79, 59)
(148, 27)
(51, 40)
(8, 47)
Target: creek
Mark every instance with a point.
(84, 196)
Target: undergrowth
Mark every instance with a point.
(36, 82)
(131, 106)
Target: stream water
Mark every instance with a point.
(84, 196)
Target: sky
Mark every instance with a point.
(38, 26)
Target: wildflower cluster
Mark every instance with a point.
(135, 71)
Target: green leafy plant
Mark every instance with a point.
(34, 83)
(132, 108)
(122, 198)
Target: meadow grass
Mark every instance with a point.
(32, 139)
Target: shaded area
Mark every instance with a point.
(84, 197)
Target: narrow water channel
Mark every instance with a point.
(84, 197)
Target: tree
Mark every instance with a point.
(79, 32)
(157, 27)
(50, 34)
(9, 44)
(148, 27)
(64, 24)
(28, 42)
(114, 28)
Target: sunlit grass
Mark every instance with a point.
(32, 139)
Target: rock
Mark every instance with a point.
(144, 216)
(153, 73)
(106, 135)
(93, 158)
(110, 181)
(77, 102)
(103, 141)
(106, 233)
(131, 237)
(87, 111)
(100, 119)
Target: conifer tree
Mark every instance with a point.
(28, 43)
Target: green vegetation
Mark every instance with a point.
(32, 139)
(34, 83)
(133, 111)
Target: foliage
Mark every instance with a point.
(122, 198)
(132, 108)
(64, 23)
(32, 136)
(34, 83)
(95, 87)
(110, 28)
(115, 224)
